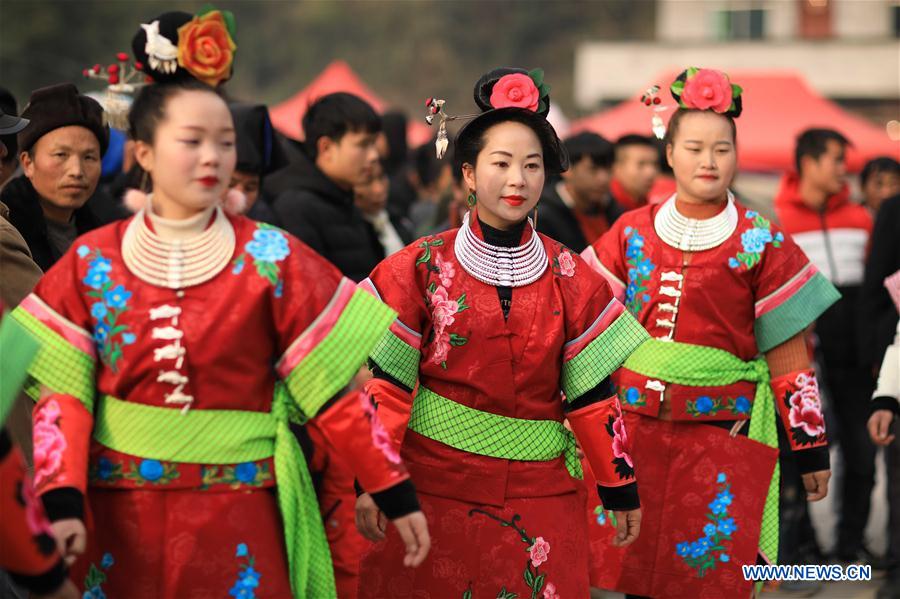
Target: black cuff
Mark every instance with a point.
(43, 584)
(619, 499)
(601, 392)
(358, 488)
(63, 503)
(886, 403)
(813, 459)
(5, 443)
(398, 500)
(379, 373)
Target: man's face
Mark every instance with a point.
(348, 161)
(64, 166)
(636, 168)
(587, 181)
(828, 172)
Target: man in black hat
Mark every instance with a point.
(60, 153)
(579, 208)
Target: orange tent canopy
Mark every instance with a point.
(337, 77)
(778, 105)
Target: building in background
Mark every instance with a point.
(847, 50)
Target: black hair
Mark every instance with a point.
(881, 164)
(590, 145)
(675, 124)
(335, 115)
(394, 123)
(148, 109)
(428, 166)
(814, 143)
(471, 139)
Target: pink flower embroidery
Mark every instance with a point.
(49, 443)
(806, 407)
(707, 89)
(515, 90)
(442, 309)
(620, 443)
(566, 264)
(35, 518)
(550, 591)
(539, 552)
(381, 439)
(447, 270)
(441, 347)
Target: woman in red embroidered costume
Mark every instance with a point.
(494, 321)
(716, 284)
(178, 347)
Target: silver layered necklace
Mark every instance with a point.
(691, 234)
(500, 266)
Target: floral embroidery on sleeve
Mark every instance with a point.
(538, 553)
(111, 301)
(639, 270)
(438, 302)
(706, 552)
(248, 577)
(805, 411)
(268, 247)
(754, 241)
(49, 444)
(615, 428)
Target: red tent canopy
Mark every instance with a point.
(778, 105)
(337, 77)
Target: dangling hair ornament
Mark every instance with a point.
(651, 100)
(123, 78)
(434, 106)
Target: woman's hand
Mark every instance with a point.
(880, 426)
(816, 484)
(628, 527)
(71, 538)
(413, 529)
(370, 521)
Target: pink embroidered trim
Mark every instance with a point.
(784, 293)
(318, 330)
(49, 443)
(610, 313)
(72, 333)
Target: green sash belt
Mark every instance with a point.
(483, 433)
(225, 437)
(701, 366)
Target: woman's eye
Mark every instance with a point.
(190, 142)
(228, 144)
(501, 164)
(533, 166)
(693, 150)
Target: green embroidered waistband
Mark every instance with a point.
(474, 431)
(229, 436)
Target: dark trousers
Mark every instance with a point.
(892, 455)
(796, 539)
(850, 391)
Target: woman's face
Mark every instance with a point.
(703, 157)
(508, 176)
(193, 154)
(371, 197)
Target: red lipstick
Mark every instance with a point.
(514, 200)
(209, 181)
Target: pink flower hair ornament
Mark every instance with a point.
(707, 89)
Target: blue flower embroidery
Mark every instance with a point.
(107, 561)
(640, 269)
(111, 301)
(706, 552)
(754, 241)
(245, 472)
(104, 468)
(151, 470)
(268, 247)
(247, 578)
(632, 396)
(704, 404)
(742, 404)
(96, 577)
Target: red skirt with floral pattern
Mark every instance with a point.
(702, 497)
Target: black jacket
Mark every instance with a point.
(322, 215)
(877, 313)
(26, 215)
(556, 220)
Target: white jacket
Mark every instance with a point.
(889, 377)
